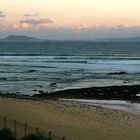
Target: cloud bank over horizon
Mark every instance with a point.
(75, 19)
(45, 28)
(74, 33)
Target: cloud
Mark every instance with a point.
(34, 27)
(2, 15)
(30, 15)
(19, 25)
(83, 26)
(72, 33)
(36, 22)
(122, 26)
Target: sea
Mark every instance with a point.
(26, 68)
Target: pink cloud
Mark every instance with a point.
(16, 25)
(122, 25)
(100, 27)
(83, 25)
(25, 25)
(36, 22)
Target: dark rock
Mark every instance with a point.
(32, 71)
(117, 73)
(3, 78)
(53, 84)
(112, 92)
(41, 91)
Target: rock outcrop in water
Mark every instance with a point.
(110, 92)
(117, 73)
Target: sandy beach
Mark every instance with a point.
(73, 120)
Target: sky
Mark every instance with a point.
(70, 19)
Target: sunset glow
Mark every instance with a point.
(75, 14)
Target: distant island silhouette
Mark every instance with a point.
(19, 38)
(27, 38)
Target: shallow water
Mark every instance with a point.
(115, 104)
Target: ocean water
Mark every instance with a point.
(27, 67)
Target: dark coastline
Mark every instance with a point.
(124, 92)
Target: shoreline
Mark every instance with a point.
(90, 99)
(123, 92)
(101, 103)
(129, 104)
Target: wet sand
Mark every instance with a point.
(73, 120)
